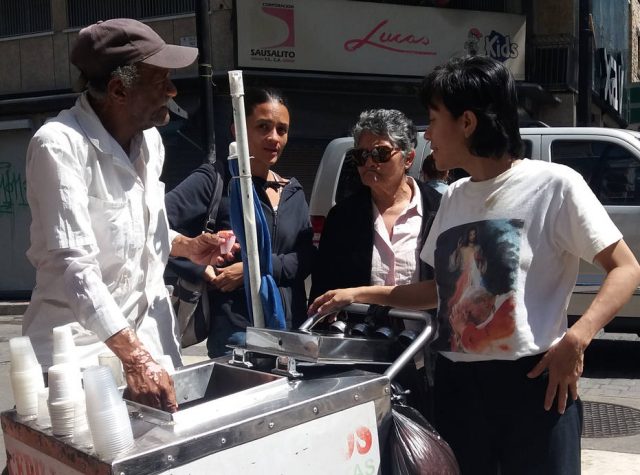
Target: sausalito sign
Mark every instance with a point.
(371, 38)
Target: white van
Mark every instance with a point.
(608, 159)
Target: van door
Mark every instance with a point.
(611, 167)
(531, 144)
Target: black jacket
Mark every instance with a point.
(291, 242)
(187, 205)
(346, 244)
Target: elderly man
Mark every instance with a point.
(99, 232)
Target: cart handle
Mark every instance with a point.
(407, 355)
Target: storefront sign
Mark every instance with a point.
(612, 78)
(371, 38)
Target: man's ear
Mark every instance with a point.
(469, 123)
(116, 90)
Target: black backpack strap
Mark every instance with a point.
(216, 195)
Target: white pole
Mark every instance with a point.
(246, 188)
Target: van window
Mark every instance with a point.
(612, 172)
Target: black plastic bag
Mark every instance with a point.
(414, 446)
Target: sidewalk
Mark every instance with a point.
(619, 455)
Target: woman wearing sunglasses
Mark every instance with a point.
(374, 236)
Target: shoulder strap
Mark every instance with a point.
(216, 195)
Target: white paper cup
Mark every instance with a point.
(64, 348)
(22, 356)
(111, 361)
(81, 432)
(25, 385)
(26, 376)
(43, 420)
(230, 240)
(62, 415)
(111, 430)
(100, 389)
(64, 382)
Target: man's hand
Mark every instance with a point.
(565, 364)
(147, 382)
(229, 278)
(203, 249)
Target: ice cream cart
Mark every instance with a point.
(287, 402)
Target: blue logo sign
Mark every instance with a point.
(500, 47)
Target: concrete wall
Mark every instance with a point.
(555, 17)
(560, 115)
(17, 275)
(41, 62)
(634, 39)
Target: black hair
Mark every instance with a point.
(254, 96)
(485, 87)
(429, 170)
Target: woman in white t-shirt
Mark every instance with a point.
(506, 357)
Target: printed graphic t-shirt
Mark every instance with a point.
(506, 253)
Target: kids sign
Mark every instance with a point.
(371, 38)
(612, 78)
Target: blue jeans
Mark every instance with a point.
(492, 416)
(216, 344)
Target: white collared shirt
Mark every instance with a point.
(99, 237)
(395, 259)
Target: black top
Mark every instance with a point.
(291, 242)
(346, 244)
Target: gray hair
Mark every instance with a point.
(390, 123)
(127, 74)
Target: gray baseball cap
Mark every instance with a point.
(106, 45)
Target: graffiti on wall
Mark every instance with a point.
(13, 189)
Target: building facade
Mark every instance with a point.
(331, 58)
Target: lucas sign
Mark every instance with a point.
(371, 38)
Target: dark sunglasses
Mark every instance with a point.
(359, 156)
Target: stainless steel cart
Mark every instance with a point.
(287, 402)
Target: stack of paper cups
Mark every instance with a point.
(65, 388)
(43, 419)
(113, 362)
(63, 346)
(26, 377)
(107, 413)
(81, 433)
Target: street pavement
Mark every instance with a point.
(601, 455)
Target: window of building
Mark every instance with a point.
(23, 17)
(86, 12)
